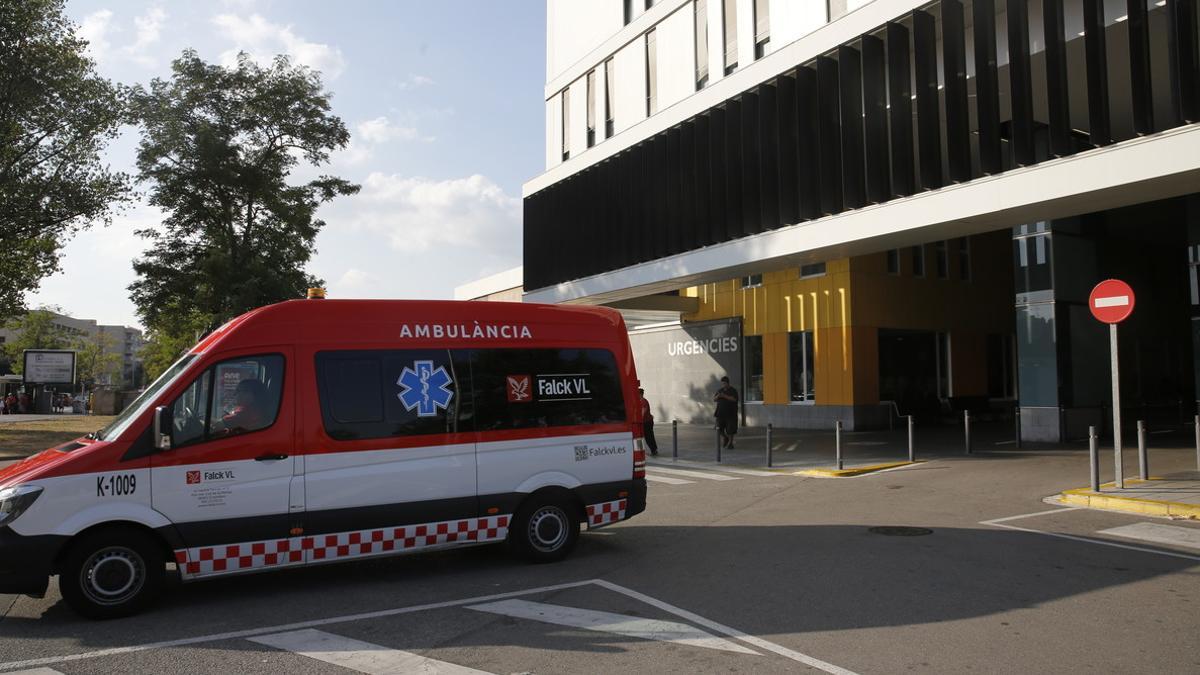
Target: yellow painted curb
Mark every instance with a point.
(856, 471)
(1147, 507)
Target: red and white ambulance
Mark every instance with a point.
(316, 431)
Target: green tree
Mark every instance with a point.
(163, 347)
(34, 329)
(218, 147)
(56, 115)
(95, 360)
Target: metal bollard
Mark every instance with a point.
(718, 446)
(674, 439)
(1017, 423)
(837, 444)
(769, 430)
(967, 430)
(1198, 442)
(1093, 459)
(1143, 463)
(910, 439)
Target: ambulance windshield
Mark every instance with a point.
(147, 397)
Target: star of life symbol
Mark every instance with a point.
(425, 388)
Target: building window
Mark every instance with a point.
(752, 281)
(944, 373)
(566, 124)
(628, 11)
(609, 89)
(942, 260)
(964, 259)
(649, 4)
(729, 29)
(835, 9)
(700, 8)
(893, 261)
(918, 261)
(651, 73)
(813, 270)
(753, 367)
(800, 364)
(1033, 259)
(591, 108)
(762, 27)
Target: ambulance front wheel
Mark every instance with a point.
(544, 529)
(112, 573)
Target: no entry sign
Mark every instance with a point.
(1111, 301)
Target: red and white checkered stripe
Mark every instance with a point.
(214, 560)
(606, 513)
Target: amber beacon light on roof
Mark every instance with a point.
(316, 294)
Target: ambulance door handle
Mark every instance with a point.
(269, 458)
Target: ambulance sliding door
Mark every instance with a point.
(396, 445)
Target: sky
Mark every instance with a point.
(444, 104)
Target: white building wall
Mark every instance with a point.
(791, 20)
(676, 53)
(630, 67)
(716, 43)
(576, 27)
(745, 32)
(553, 132)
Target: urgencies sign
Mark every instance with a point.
(716, 345)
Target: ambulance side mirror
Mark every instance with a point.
(162, 427)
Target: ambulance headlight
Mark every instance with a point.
(15, 500)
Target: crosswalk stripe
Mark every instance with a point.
(362, 657)
(706, 475)
(1159, 534)
(748, 472)
(607, 622)
(669, 481)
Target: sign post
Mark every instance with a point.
(1111, 301)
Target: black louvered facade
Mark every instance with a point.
(868, 122)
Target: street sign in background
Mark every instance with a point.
(49, 367)
(1111, 301)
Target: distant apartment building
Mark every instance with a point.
(122, 341)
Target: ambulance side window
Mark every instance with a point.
(233, 397)
(529, 388)
(368, 394)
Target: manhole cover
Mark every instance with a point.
(900, 531)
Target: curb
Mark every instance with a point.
(1147, 507)
(856, 471)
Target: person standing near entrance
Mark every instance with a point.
(727, 411)
(648, 423)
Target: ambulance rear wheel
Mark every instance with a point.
(112, 573)
(544, 529)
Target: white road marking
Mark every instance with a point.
(359, 656)
(707, 475)
(36, 671)
(263, 630)
(1001, 522)
(1062, 509)
(726, 630)
(749, 472)
(713, 467)
(1159, 534)
(608, 622)
(669, 481)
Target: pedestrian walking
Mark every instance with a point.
(648, 423)
(727, 411)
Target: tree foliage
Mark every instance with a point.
(218, 147)
(35, 329)
(56, 115)
(95, 360)
(163, 347)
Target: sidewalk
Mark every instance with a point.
(1175, 495)
(13, 419)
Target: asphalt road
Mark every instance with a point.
(749, 574)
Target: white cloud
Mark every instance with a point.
(383, 130)
(352, 283)
(95, 28)
(414, 81)
(149, 29)
(417, 214)
(262, 40)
